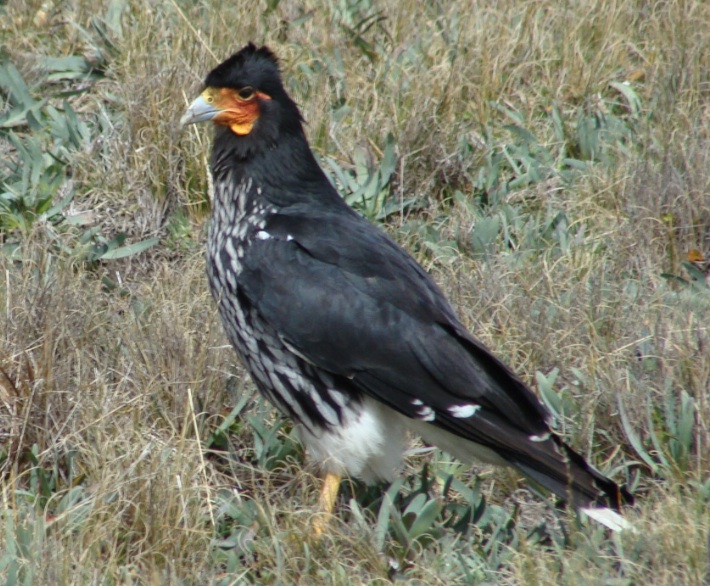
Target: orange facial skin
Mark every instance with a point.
(238, 109)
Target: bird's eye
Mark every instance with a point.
(246, 93)
(209, 99)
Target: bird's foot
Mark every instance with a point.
(326, 503)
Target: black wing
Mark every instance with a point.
(355, 304)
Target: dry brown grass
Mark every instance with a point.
(112, 397)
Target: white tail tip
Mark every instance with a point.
(609, 518)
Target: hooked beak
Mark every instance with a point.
(198, 111)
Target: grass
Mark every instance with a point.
(547, 162)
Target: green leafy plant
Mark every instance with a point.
(697, 280)
(34, 183)
(365, 185)
(594, 133)
(237, 521)
(52, 497)
(360, 22)
(273, 445)
(23, 541)
(667, 442)
(416, 512)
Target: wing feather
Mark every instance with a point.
(353, 303)
(370, 312)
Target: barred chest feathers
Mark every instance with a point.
(342, 430)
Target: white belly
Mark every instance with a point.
(369, 444)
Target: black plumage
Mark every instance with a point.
(340, 327)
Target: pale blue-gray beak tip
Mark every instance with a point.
(198, 111)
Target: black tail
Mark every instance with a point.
(568, 475)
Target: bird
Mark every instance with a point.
(340, 328)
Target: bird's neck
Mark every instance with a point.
(280, 174)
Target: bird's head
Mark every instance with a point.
(245, 95)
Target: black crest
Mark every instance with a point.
(253, 66)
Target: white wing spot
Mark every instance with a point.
(417, 403)
(464, 411)
(426, 413)
(289, 238)
(540, 438)
(263, 235)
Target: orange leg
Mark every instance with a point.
(326, 502)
